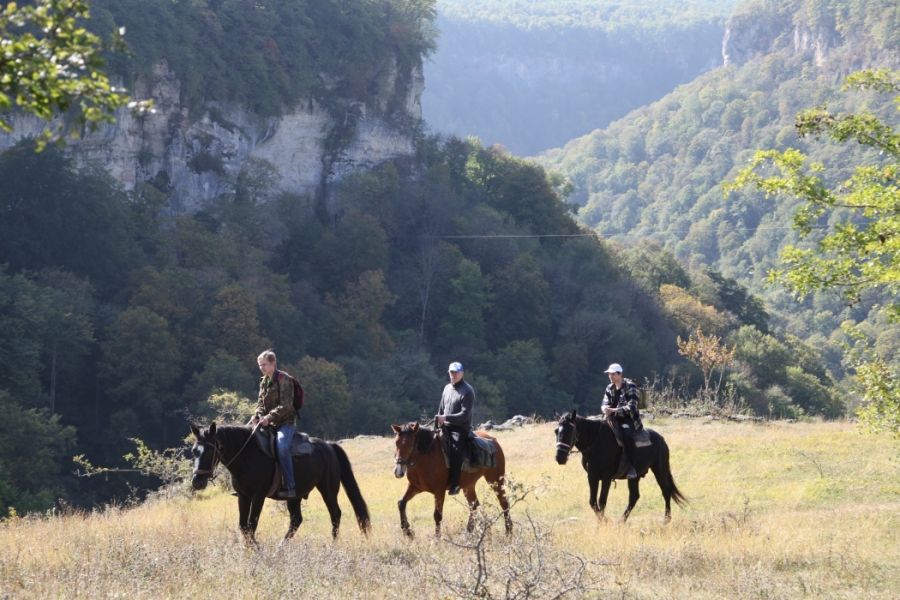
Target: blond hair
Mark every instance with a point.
(267, 356)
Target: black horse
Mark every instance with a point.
(601, 456)
(326, 468)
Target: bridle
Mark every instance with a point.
(217, 455)
(568, 447)
(216, 459)
(408, 462)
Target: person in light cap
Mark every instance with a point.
(455, 417)
(620, 407)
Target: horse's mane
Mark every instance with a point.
(424, 437)
(590, 426)
(231, 434)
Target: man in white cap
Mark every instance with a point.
(455, 416)
(620, 407)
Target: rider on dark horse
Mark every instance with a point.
(276, 409)
(620, 407)
(455, 416)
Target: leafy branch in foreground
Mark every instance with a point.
(860, 249)
(168, 465)
(51, 64)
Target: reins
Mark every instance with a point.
(408, 461)
(218, 453)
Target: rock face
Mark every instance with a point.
(749, 35)
(196, 157)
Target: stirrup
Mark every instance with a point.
(286, 494)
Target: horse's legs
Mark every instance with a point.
(633, 495)
(256, 505)
(663, 477)
(329, 495)
(593, 481)
(472, 499)
(401, 504)
(439, 497)
(244, 517)
(604, 494)
(497, 484)
(293, 507)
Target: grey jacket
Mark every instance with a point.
(457, 402)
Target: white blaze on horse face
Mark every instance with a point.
(197, 450)
(399, 470)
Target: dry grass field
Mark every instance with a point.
(778, 510)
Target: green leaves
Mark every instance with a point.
(859, 250)
(50, 65)
(861, 247)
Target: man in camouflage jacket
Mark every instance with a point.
(275, 409)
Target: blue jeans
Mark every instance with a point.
(283, 443)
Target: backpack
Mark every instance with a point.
(298, 391)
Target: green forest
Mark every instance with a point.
(657, 175)
(121, 319)
(534, 75)
(268, 55)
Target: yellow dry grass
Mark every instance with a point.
(777, 511)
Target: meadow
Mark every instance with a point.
(777, 510)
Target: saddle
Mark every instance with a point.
(481, 453)
(641, 438)
(300, 446)
(265, 439)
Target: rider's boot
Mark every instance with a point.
(287, 494)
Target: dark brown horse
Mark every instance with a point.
(419, 455)
(601, 456)
(326, 468)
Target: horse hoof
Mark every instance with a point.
(408, 533)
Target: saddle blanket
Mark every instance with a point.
(641, 438)
(481, 454)
(300, 445)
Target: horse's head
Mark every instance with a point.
(404, 446)
(565, 436)
(206, 453)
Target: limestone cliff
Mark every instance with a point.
(196, 156)
(764, 31)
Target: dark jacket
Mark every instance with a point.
(457, 402)
(625, 401)
(276, 399)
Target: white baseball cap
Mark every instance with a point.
(455, 367)
(614, 368)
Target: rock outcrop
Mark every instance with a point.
(196, 156)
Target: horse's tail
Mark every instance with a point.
(677, 496)
(352, 489)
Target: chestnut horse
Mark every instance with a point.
(420, 456)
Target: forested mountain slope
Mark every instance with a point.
(656, 174)
(533, 75)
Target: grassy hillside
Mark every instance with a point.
(777, 510)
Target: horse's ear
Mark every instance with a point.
(212, 428)
(574, 412)
(396, 428)
(415, 427)
(195, 429)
